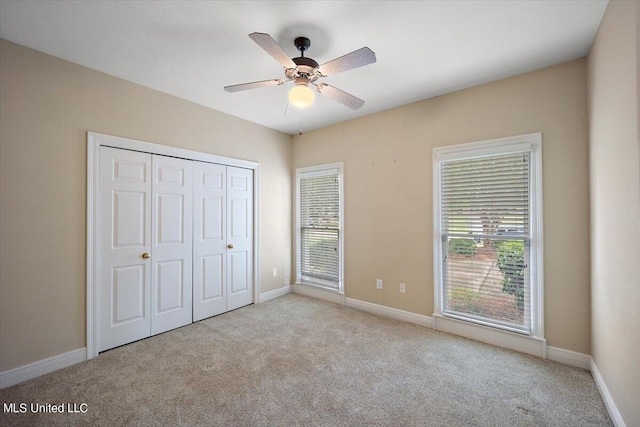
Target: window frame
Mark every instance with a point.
(502, 146)
(320, 170)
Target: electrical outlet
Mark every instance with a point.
(379, 283)
(274, 272)
(403, 288)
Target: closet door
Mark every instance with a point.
(172, 244)
(209, 240)
(239, 237)
(175, 243)
(125, 244)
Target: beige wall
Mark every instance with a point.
(615, 205)
(388, 188)
(47, 105)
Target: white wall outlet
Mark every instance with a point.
(403, 288)
(274, 272)
(379, 283)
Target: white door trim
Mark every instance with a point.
(94, 141)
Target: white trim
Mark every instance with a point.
(166, 150)
(93, 183)
(511, 340)
(530, 142)
(392, 313)
(609, 403)
(569, 357)
(256, 235)
(41, 367)
(437, 238)
(94, 141)
(264, 297)
(296, 249)
(319, 293)
(489, 147)
(321, 170)
(537, 236)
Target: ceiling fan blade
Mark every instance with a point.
(253, 85)
(267, 42)
(338, 95)
(355, 59)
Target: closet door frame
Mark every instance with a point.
(94, 142)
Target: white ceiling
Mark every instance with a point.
(193, 49)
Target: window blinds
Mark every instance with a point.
(320, 228)
(486, 239)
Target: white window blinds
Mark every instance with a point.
(319, 233)
(485, 209)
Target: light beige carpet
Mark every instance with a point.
(300, 361)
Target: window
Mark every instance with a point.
(319, 230)
(488, 233)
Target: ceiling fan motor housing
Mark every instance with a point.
(305, 67)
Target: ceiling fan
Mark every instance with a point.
(304, 71)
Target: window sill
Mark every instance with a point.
(499, 337)
(324, 288)
(316, 291)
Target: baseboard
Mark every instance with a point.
(525, 344)
(394, 313)
(275, 293)
(41, 367)
(511, 340)
(612, 409)
(319, 293)
(569, 357)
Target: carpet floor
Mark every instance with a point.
(300, 361)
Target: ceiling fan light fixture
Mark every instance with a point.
(301, 96)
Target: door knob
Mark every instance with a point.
(146, 255)
(230, 246)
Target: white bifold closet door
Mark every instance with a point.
(209, 240)
(172, 244)
(175, 243)
(239, 237)
(125, 238)
(223, 239)
(146, 233)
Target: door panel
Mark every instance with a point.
(170, 282)
(238, 229)
(240, 237)
(127, 294)
(129, 218)
(171, 219)
(171, 276)
(125, 234)
(129, 169)
(212, 207)
(209, 245)
(212, 278)
(239, 280)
